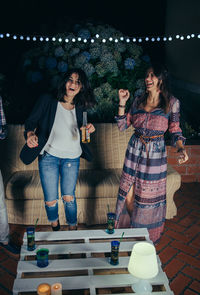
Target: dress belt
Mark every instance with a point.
(143, 137)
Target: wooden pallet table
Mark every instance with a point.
(79, 260)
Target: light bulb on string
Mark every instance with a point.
(60, 39)
(7, 35)
(28, 38)
(41, 39)
(158, 38)
(92, 40)
(66, 40)
(47, 39)
(34, 38)
(170, 38)
(140, 40)
(79, 39)
(85, 40)
(53, 39)
(104, 40)
(182, 37)
(147, 39)
(177, 36)
(164, 38)
(73, 40)
(134, 39)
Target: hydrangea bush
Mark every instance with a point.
(109, 65)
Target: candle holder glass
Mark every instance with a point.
(30, 231)
(114, 259)
(110, 223)
(42, 257)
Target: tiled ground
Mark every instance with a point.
(179, 248)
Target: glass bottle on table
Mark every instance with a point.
(84, 130)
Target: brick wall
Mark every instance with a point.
(190, 171)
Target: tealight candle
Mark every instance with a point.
(44, 289)
(56, 289)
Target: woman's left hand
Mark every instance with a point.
(90, 127)
(182, 156)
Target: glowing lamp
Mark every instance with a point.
(143, 265)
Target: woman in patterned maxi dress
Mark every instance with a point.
(141, 201)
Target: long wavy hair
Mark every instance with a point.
(161, 72)
(85, 97)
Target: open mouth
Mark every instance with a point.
(71, 89)
(149, 84)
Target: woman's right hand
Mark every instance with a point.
(32, 139)
(124, 95)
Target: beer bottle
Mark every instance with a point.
(85, 133)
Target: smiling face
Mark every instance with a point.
(73, 85)
(151, 81)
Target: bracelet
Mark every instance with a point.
(120, 106)
(180, 150)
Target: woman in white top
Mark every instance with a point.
(53, 134)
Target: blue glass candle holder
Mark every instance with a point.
(30, 231)
(114, 258)
(42, 257)
(110, 223)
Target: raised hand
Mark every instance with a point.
(124, 95)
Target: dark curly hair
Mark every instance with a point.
(85, 97)
(161, 72)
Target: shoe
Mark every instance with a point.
(11, 248)
(72, 227)
(57, 227)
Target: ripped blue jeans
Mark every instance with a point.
(52, 168)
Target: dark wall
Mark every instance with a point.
(183, 16)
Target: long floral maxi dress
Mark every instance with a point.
(145, 166)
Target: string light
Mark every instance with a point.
(104, 40)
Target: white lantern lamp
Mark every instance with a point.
(143, 265)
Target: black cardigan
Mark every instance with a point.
(41, 120)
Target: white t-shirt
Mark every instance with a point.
(64, 139)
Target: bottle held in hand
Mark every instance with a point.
(84, 130)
